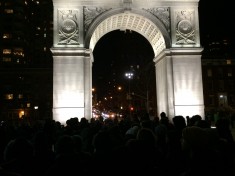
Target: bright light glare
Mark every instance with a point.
(69, 105)
(105, 115)
(21, 114)
(186, 110)
(129, 75)
(188, 104)
(63, 114)
(185, 96)
(70, 99)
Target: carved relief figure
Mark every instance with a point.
(68, 27)
(162, 13)
(90, 14)
(185, 30)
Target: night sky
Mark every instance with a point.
(216, 18)
(116, 51)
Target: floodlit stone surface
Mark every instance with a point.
(172, 29)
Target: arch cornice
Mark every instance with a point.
(155, 24)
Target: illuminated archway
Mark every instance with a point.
(129, 21)
(170, 27)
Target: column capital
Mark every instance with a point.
(57, 51)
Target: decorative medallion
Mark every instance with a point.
(68, 27)
(185, 26)
(185, 32)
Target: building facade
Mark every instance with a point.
(25, 59)
(218, 72)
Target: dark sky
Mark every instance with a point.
(217, 18)
(116, 51)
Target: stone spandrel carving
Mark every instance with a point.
(185, 30)
(68, 27)
(162, 13)
(90, 13)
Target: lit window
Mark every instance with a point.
(6, 36)
(18, 52)
(6, 59)
(229, 62)
(21, 77)
(20, 96)
(8, 10)
(21, 114)
(37, 2)
(6, 51)
(45, 48)
(28, 105)
(222, 99)
(45, 35)
(9, 96)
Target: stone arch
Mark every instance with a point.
(174, 38)
(137, 20)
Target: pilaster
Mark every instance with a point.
(71, 83)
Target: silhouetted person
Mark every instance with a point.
(18, 157)
(66, 162)
(43, 153)
(204, 150)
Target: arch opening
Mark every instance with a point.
(115, 54)
(131, 22)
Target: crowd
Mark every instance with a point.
(134, 145)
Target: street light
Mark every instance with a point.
(129, 76)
